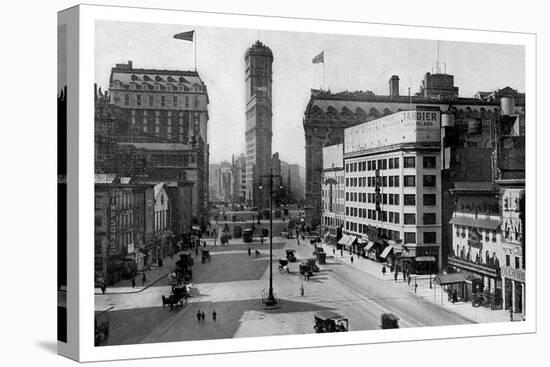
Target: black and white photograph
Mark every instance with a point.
(252, 182)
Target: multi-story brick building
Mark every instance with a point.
(161, 119)
(327, 115)
(258, 132)
(393, 187)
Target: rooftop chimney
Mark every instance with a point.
(394, 86)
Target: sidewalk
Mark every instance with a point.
(435, 295)
(152, 276)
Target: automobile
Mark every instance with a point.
(312, 263)
(305, 269)
(329, 322)
(247, 234)
(389, 321)
(290, 255)
(265, 232)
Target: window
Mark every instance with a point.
(396, 162)
(517, 262)
(409, 218)
(428, 162)
(347, 196)
(409, 199)
(396, 181)
(390, 181)
(409, 181)
(428, 181)
(384, 181)
(196, 101)
(396, 218)
(97, 202)
(429, 237)
(428, 199)
(347, 167)
(409, 237)
(126, 99)
(163, 101)
(390, 200)
(364, 166)
(508, 260)
(186, 101)
(384, 164)
(390, 164)
(384, 198)
(369, 166)
(347, 181)
(390, 216)
(347, 210)
(175, 101)
(138, 99)
(396, 199)
(151, 99)
(409, 162)
(428, 218)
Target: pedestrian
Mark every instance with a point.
(196, 251)
(199, 316)
(262, 240)
(334, 252)
(303, 237)
(214, 315)
(408, 278)
(202, 316)
(302, 290)
(384, 270)
(395, 276)
(415, 285)
(342, 251)
(351, 259)
(249, 251)
(133, 282)
(404, 275)
(143, 279)
(298, 240)
(103, 287)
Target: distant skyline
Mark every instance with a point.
(351, 63)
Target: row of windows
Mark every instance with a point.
(428, 162)
(390, 199)
(175, 101)
(390, 181)
(392, 217)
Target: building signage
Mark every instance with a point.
(113, 221)
(130, 248)
(515, 274)
(474, 239)
(422, 118)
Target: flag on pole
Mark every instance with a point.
(319, 58)
(186, 36)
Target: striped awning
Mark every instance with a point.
(386, 252)
(351, 240)
(451, 278)
(369, 246)
(343, 240)
(491, 224)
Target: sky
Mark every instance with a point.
(351, 63)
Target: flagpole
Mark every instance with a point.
(323, 73)
(195, 42)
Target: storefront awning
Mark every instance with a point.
(479, 223)
(325, 236)
(386, 252)
(343, 240)
(351, 240)
(424, 258)
(369, 246)
(196, 228)
(451, 278)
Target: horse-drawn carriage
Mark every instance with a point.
(290, 255)
(176, 298)
(305, 269)
(283, 266)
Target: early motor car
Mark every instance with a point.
(329, 322)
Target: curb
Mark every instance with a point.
(131, 292)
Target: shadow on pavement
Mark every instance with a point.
(155, 324)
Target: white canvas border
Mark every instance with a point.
(88, 16)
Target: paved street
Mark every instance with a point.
(232, 283)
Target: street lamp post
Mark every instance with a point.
(270, 301)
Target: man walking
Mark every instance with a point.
(202, 316)
(214, 315)
(103, 287)
(199, 316)
(408, 278)
(351, 258)
(395, 275)
(384, 270)
(143, 279)
(302, 290)
(404, 275)
(133, 282)
(249, 251)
